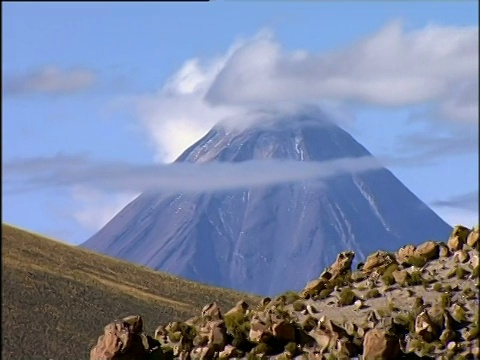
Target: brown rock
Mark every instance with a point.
(457, 238)
(472, 239)
(428, 250)
(401, 277)
(425, 327)
(240, 308)
(118, 339)
(377, 260)
(229, 352)
(461, 256)
(379, 345)
(265, 301)
(343, 263)
(404, 253)
(259, 331)
(313, 288)
(443, 250)
(284, 331)
(326, 339)
(135, 323)
(217, 336)
(212, 311)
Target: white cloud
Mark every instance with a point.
(50, 79)
(389, 68)
(176, 177)
(392, 67)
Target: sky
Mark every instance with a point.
(99, 98)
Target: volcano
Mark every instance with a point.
(268, 239)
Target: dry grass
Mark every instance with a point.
(57, 298)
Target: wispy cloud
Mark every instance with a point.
(176, 177)
(466, 201)
(393, 67)
(49, 80)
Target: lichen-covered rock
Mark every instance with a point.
(379, 345)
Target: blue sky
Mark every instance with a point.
(133, 84)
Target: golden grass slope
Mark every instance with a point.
(56, 298)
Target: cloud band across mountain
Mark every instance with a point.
(65, 171)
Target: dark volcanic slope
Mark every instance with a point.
(269, 239)
(56, 298)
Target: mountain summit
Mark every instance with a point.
(268, 239)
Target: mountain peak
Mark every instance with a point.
(268, 239)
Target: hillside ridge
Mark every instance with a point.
(55, 296)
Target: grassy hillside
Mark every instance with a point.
(56, 298)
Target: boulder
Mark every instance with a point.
(404, 253)
(401, 277)
(379, 345)
(326, 339)
(427, 250)
(212, 311)
(425, 327)
(228, 353)
(313, 288)
(342, 264)
(135, 323)
(377, 261)
(443, 250)
(217, 337)
(119, 342)
(259, 331)
(458, 238)
(472, 238)
(284, 331)
(461, 256)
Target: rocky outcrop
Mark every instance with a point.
(416, 302)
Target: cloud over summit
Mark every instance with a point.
(393, 67)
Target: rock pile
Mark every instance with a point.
(420, 301)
